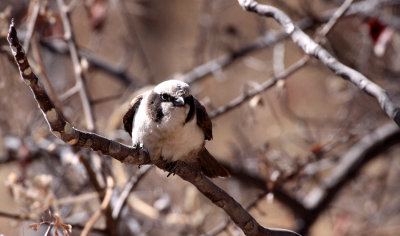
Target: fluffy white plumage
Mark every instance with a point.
(170, 138)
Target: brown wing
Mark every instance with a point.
(130, 114)
(203, 120)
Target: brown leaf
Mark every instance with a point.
(67, 227)
(35, 226)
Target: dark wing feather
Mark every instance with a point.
(203, 120)
(130, 114)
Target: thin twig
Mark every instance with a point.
(31, 24)
(24, 217)
(46, 80)
(48, 230)
(104, 205)
(349, 165)
(333, 20)
(96, 62)
(78, 71)
(312, 48)
(209, 67)
(129, 187)
(263, 87)
(132, 32)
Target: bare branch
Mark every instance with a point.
(24, 217)
(104, 205)
(31, 23)
(63, 129)
(220, 228)
(209, 67)
(129, 155)
(375, 142)
(78, 71)
(45, 77)
(223, 200)
(132, 183)
(312, 48)
(263, 87)
(135, 37)
(320, 198)
(333, 20)
(95, 62)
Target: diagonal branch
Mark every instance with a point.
(312, 48)
(59, 126)
(129, 155)
(263, 87)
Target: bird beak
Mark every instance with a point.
(179, 101)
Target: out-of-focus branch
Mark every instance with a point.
(104, 205)
(46, 80)
(78, 71)
(63, 129)
(95, 62)
(349, 165)
(312, 48)
(319, 199)
(129, 155)
(286, 73)
(263, 87)
(209, 67)
(23, 217)
(333, 20)
(134, 36)
(371, 8)
(132, 183)
(31, 23)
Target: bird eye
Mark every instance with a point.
(164, 96)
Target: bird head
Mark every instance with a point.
(173, 91)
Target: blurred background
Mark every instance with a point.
(297, 150)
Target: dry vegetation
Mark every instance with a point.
(307, 147)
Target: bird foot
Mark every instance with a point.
(171, 168)
(138, 146)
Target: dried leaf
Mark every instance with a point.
(67, 227)
(47, 216)
(35, 226)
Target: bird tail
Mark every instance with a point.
(209, 166)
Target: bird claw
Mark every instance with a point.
(171, 168)
(138, 146)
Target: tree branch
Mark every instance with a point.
(312, 48)
(129, 187)
(209, 67)
(263, 87)
(378, 141)
(78, 71)
(64, 130)
(320, 198)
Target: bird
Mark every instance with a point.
(172, 125)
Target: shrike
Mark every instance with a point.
(172, 125)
